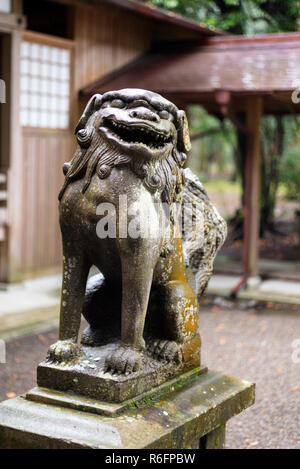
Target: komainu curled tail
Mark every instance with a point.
(201, 244)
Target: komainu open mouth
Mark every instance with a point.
(138, 134)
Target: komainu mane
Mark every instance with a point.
(133, 143)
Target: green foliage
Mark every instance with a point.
(216, 159)
(211, 155)
(290, 172)
(239, 16)
(272, 141)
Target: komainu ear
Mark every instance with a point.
(93, 105)
(183, 135)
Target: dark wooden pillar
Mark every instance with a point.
(5, 125)
(252, 193)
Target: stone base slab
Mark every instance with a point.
(172, 421)
(110, 409)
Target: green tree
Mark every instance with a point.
(239, 16)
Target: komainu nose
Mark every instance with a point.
(145, 114)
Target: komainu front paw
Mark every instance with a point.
(123, 360)
(64, 351)
(165, 350)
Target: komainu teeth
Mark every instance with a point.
(142, 135)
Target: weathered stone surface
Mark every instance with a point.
(74, 401)
(214, 439)
(87, 375)
(174, 420)
(125, 198)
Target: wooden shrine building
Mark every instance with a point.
(54, 54)
(231, 76)
(49, 50)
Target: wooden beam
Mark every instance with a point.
(49, 40)
(252, 192)
(12, 21)
(153, 12)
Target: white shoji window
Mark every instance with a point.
(45, 86)
(5, 5)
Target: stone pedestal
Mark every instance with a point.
(194, 410)
(87, 377)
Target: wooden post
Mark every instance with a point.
(15, 173)
(252, 193)
(5, 62)
(17, 6)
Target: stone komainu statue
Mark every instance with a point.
(133, 143)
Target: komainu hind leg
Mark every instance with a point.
(102, 310)
(175, 311)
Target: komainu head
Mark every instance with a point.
(136, 127)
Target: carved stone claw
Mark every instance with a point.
(123, 360)
(64, 351)
(165, 350)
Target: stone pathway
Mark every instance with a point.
(38, 293)
(29, 306)
(255, 345)
(282, 291)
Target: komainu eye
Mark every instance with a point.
(165, 115)
(117, 103)
(106, 104)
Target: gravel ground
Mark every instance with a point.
(257, 345)
(252, 344)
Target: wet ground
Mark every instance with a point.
(253, 344)
(257, 345)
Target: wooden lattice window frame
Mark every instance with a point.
(45, 99)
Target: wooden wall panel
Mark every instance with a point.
(44, 154)
(106, 39)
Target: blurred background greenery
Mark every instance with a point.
(218, 154)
